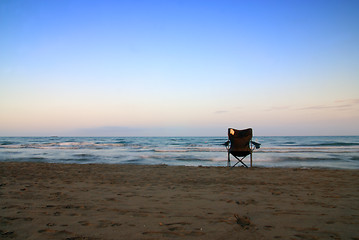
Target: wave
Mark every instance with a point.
(337, 144)
(342, 151)
(64, 145)
(323, 144)
(70, 145)
(191, 159)
(304, 159)
(84, 155)
(188, 150)
(4, 143)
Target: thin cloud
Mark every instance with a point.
(354, 101)
(338, 105)
(318, 107)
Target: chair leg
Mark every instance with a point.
(251, 159)
(235, 164)
(240, 161)
(229, 160)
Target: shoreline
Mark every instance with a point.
(258, 166)
(120, 201)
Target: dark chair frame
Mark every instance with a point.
(240, 145)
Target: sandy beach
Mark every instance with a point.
(73, 201)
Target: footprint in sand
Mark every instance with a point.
(7, 234)
(84, 223)
(243, 221)
(268, 228)
(107, 223)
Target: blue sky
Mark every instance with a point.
(178, 67)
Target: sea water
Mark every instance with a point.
(303, 152)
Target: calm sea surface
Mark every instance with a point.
(306, 152)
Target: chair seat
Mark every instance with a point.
(240, 153)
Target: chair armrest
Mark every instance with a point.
(256, 145)
(226, 144)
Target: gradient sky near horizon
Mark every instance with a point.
(178, 67)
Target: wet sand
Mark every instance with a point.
(69, 201)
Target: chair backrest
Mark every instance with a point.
(240, 139)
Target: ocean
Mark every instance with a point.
(299, 152)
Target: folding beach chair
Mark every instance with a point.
(240, 145)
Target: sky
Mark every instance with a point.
(178, 67)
